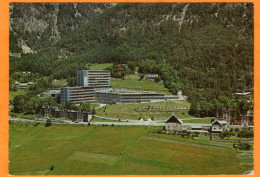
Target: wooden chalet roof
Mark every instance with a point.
(220, 122)
(174, 119)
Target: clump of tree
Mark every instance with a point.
(29, 104)
(48, 123)
(245, 133)
(242, 146)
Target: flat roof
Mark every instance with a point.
(129, 92)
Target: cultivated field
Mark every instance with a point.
(159, 110)
(106, 150)
(132, 82)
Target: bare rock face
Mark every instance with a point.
(34, 23)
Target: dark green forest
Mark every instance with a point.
(204, 49)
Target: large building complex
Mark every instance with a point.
(93, 78)
(77, 94)
(94, 86)
(128, 97)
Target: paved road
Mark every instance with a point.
(101, 105)
(122, 120)
(192, 124)
(92, 123)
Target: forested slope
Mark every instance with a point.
(204, 49)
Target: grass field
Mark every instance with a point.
(106, 150)
(100, 66)
(97, 119)
(12, 94)
(135, 111)
(132, 82)
(61, 83)
(206, 120)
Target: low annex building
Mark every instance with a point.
(128, 97)
(55, 112)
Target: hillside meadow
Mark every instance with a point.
(106, 150)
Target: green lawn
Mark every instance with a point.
(25, 116)
(100, 66)
(206, 120)
(60, 83)
(132, 82)
(97, 119)
(107, 150)
(159, 110)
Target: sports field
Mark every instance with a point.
(157, 111)
(107, 150)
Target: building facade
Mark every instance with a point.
(77, 95)
(54, 112)
(117, 97)
(93, 78)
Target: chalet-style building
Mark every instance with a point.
(173, 124)
(234, 120)
(249, 96)
(121, 68)
(152, 76)
(218, 126)
(23, 85)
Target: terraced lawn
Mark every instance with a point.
(107, 150)
(157, 111)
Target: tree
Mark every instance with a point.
(93, 111)
(157, 79)
(48, 123)
(131, 65)
(123, 75)
(141, 77)
(19, 103)
(84, 107)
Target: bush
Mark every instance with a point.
(245, 133)
(48, 123)
(224, 134)
(52, 167)
(244, 146)
(185, 134)
(36, 124)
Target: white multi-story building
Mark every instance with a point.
(93, 78)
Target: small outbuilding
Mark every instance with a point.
(173, 124)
